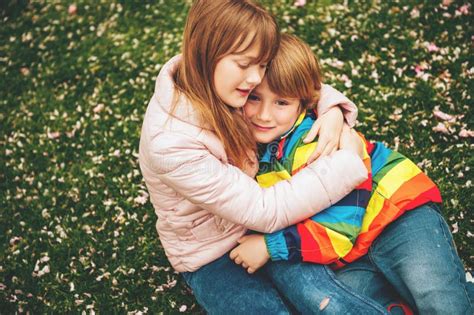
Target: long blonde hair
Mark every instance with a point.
(295, 72)
(214, 29)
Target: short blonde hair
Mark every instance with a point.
(295, 72)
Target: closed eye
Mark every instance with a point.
(243, 66)
(253, 97)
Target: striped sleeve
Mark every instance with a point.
(327, 236)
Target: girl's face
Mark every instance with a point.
(270, 115)
(237, 74)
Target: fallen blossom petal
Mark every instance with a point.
(98, 108)
(466, 133)
(44, 271)
(446, 3)
(72, 9)
(469, 277)
(419, 69)
(25, 71)
(44, 259)
(183, 308)
(141, 199)
(415, 13)
(443, 116)
(54, 134)
(432, 47)
(440, 127)
(70, 134)
(464, 9)
(300, 3)
(14, 240)
(455, 228)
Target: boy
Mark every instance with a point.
(344, 232)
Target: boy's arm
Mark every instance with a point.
(327, 236)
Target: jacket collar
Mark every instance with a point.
(165, 92)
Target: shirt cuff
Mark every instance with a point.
(276, 246)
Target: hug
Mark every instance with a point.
(268, 201)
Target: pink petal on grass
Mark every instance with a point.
(98, 108)
(443, 116)
(142, 199)
(72, 9)
(300, 3)
(419, 70)
(455, 228)
(466, 133)
(432, 47)
(440, 127)
(469, 277)
(415, 13)
(53, 135)
(464, 9)
(446, 3)
(25, 71)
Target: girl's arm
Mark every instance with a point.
(333, 109)
(186, 166)
(329, 235)
(322, 239)
(330, 98)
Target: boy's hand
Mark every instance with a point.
(251, 253)
(329, 128)
(350, 140)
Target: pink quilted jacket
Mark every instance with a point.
(203, 203)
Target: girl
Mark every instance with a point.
(193, 137)
(280, 113)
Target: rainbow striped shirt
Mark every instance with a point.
(343, 232)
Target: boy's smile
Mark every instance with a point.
(270, 115)
(262, 128)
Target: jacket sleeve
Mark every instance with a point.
(328, 235)
(331, 97)
(193, 172)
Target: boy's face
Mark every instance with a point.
(270, 115)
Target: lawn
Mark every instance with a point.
(77, 229)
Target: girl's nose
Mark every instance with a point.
(255, 75)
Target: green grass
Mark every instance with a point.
(75, 234)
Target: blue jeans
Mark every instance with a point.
(222, 287)
(414, 257)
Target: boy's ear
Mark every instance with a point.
(301, 108)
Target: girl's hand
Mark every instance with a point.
(350, 140)
(329, 128)
(250, 167)
(251, 253)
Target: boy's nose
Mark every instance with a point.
(264, 113)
